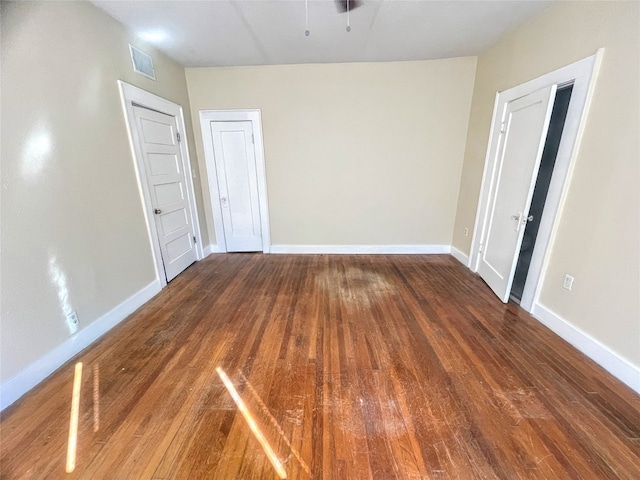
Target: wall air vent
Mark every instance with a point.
(142, 62)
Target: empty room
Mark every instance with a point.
(337, 239)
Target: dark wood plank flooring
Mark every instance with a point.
(352, 367)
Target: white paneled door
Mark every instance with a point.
(165, 177)
(235, 162)
(523, 133)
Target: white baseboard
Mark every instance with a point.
(213, 248)
(28, 378)
(361, 249)
(461, 257)
(617, 366)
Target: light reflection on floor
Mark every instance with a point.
(266, 430)
(274, 423)
(255, 429)
(73, 420)
(96, 397)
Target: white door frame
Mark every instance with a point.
(582, 74)
(254, 116)
(129, 96)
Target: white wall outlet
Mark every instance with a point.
(72, 321)
(567, 284)
(466, 231)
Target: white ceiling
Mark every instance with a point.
(263, 32)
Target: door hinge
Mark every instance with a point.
(178, 135)
(503, 127)
(194, 240)
(481, 248)
(253, 140)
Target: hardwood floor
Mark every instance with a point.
(351, 367)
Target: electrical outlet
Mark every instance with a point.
(567, 284)
(72, 321)
(466, 231)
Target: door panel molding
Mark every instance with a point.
(169, 198)
(131, 97)
(254, 116)
(582, 74)
(524, 131)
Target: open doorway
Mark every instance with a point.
(519, 127)
(543, 180)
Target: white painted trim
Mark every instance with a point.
(461, 257)
(582, 74)
(583, 90)
(617, 366)
(213, 248)
(487, 175)
(25, 380)
(255, 117)
(362, 249)
(130, 94)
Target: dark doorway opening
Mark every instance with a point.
(549, 154)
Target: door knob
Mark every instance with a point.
(518, 219)
(521, 220)
(157, 211)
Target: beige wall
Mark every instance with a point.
(73, 229)
(599, 232)
(355, 153)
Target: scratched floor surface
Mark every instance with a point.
(342, 367)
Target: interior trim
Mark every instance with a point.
(583, 74)
(16, 386)
(255, 117)
(131, 95)
(461, 257)
(362, 249)
(613, 363)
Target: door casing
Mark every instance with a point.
(582, 74)
(254, 116)
(129, 96)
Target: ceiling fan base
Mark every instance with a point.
(341, 5)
